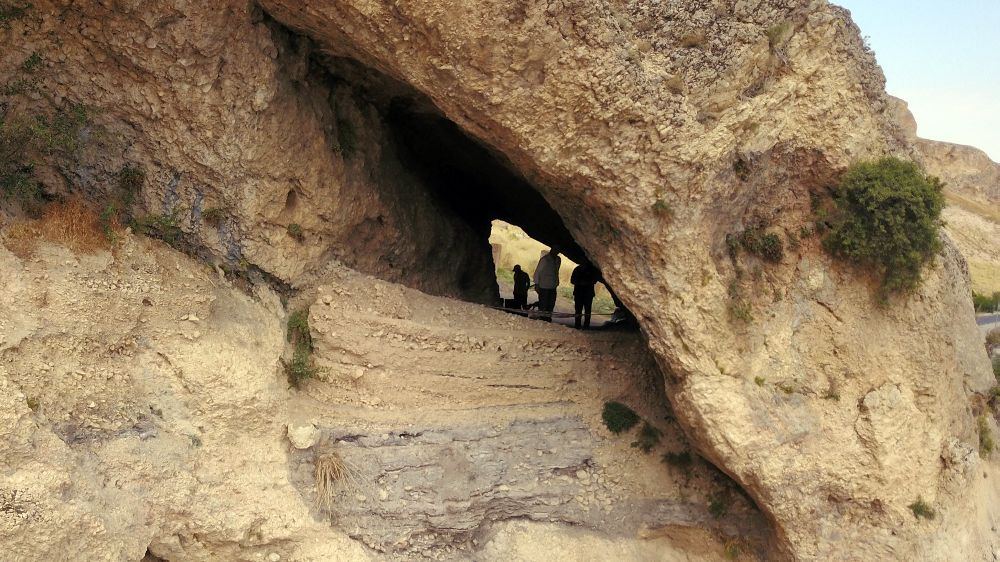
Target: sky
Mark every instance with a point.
(943, 58)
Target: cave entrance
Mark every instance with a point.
(485, 190)
(513, 247)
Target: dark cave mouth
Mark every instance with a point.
(483, 188)
(466, 178)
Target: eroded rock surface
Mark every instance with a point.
(653, 129)
(723, 115)
(145, 410)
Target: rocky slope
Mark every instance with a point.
(144, 410)
(646, 132)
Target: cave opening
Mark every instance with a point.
(485, 190)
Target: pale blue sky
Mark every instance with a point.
(943, 57)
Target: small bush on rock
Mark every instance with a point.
(718, 504)
(681, 461)
(295, 231)
(986, 444)
(298, 329)
(11, 11)
(922, 509)
(162, 226)
(648, 438)
(618, 417)
(886, 217)
(301, 366)
(213, 216)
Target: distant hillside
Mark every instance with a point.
(972, 180)
(967, 170)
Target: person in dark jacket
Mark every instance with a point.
(584, 277)
(521, 284)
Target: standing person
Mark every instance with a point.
(546, 282)
(584, 277)
(521, 284)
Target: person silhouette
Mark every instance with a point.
(547, 281)
(521, 284)
(585, 277)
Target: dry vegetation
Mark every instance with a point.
(973, 224)
(70, 223)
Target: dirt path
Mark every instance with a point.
(457, 415)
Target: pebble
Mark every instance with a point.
(273, 557)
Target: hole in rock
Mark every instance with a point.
(483, 188)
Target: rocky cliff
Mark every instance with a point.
(967, 170)
(639, 135)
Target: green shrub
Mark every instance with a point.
(718, 504)
(213, 216)
(32, 63)
(996, 368)
(162, 226)
(662, 208)
(25, 139)
(681, 461)
(59, 132)
(131, 179)
(648, 438)
(983, 303)
(985, 437)
(297, 333)
(920, 508)
(759, 381)
(618, 417)
(300, 367)
(295, 231)
(765, 245)
(10, 11)
(887, 216)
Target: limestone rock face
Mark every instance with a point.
(654, 129)
(240, 136)
(832, 413)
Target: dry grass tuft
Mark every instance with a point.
(70, 223)
(332, 473)
(75, 225)
(21, 238)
